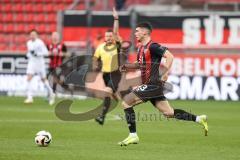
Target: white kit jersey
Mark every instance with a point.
(36, 62)
(39, 48)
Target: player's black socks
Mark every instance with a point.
(183, 115)
(106, 105)
(54, 87)
(130, 118)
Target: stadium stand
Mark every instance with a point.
(208, 5)
(18, 17)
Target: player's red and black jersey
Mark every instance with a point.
(149, 58)
(56, 54)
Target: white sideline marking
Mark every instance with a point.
(109, 118)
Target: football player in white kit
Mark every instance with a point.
(36, 65)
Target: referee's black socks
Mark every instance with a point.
(131, 119)
(183, 115)
(106, 105)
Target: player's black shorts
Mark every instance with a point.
(112, 79)
(150, 92)
(51, 71)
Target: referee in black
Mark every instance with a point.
(108, 54)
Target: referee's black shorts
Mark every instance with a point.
(150, 92)
(112, 79)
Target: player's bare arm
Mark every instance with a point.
(167, 65)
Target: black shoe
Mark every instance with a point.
(100, 120)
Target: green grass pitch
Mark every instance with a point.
(160, 139)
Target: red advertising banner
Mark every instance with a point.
(212, 29)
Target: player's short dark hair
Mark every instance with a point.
(109, 30)
(146, 25)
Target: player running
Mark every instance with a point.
(36, 65)
(148, 61)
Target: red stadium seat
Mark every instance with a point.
(21, 38)
(4, 17)
(6, 1)
(28, 8)
(29, 27)
(50, 28)
(40, 17)
(6, 7)
(19, 17)
(13, 47)
(49, 8)
(1, 27)
(20, 28)
(51, 17)
(58, 1)
(2, 47)
(9, 37)
(21, 47)
(81, 7)
(49, 1)
(29, 17)
(55, 8)
(53, 27)
(2, 38)
(98, 7)
(28, 1)
(41, 28)
(17, 1)
(69, 1)
(45, 37)
(17, 7)
(39, 1)
(38, 7)
(7, 17)
(59, 7)
(9, 28)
